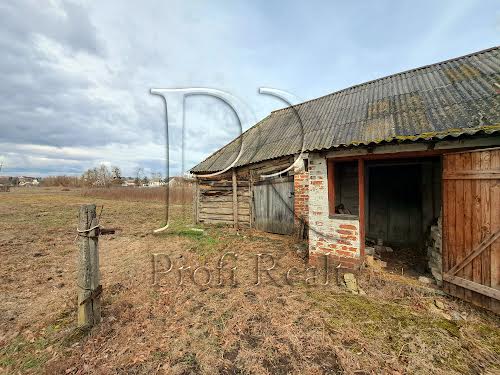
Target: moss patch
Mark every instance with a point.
(397, 330)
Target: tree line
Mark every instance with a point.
(101, 176)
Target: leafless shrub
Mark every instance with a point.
(64, 181)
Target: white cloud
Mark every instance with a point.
(76, 74)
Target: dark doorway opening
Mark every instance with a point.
(395, 203)
(403, 201)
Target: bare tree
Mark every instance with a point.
(90, 176)
(139, 172)
(116, 175)
(97, 176)
(104, 176)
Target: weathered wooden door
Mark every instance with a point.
(471, 225)
(273, 205)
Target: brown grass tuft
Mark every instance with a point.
(177, 194)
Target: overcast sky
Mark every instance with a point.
(75, 76)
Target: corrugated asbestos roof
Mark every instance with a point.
(450, 98)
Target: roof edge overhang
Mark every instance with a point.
(429, 137)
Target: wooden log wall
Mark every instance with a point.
(215, 200)
(214, 195)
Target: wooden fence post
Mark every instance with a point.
(196, 202)
(89, 288)
(235, 199)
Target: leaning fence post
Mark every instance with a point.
(89, 288)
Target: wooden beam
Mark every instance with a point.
(476, 252)
(495, 226)
(492, 140)
(196, 201)
(331, 186)
(471, 285)
(344, 153)
(251, 202)
(235, 199)
(361, 195)
(198, 198)
(394, 155)
(456, 145)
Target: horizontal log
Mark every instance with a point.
(223, 205)
(215, 205)
(215, 221)
(216, 198)
(223, 198)
(216, 211)
(222, 211)
(208, 203)
(204, 215)
(224, 183)
(219, 192)
(223, 187)
(243, 223)
(213, 193)
(215, 188)
(207, 213)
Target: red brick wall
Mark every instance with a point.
(301, 188)
(336, 237)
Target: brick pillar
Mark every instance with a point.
(335, 236)
(301, 189)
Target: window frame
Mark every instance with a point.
(330, 168)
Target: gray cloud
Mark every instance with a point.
(75, 75)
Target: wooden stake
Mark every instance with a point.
(196, 201)
(235, 199)
(361, 194)
(89, 288)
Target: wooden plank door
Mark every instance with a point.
(273, 205)
(471, 226)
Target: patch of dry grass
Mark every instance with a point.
(272, 328)
(177, 194)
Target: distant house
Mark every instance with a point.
(179, 181)
(28, 181)
(156, 182)
(127, 183)
(173, 182)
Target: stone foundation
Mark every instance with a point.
(434, 251)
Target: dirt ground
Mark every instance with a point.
(398, 327)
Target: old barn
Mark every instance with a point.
(410, 161)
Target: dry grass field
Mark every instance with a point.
(271, 328)
(181, 194)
